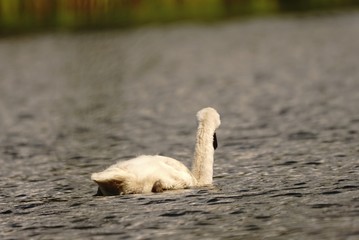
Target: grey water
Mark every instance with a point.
(287, 163)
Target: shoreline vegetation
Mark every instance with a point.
(19, 16)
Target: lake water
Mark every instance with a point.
(287, 165)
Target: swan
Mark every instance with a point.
(145, 174)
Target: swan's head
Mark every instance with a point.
(210, 120)
(209, 116)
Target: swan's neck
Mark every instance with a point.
(202, 166)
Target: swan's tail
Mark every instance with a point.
(106, 176)
(110, 182)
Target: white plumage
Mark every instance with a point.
(156, 173)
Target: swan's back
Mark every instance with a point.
(144, 174)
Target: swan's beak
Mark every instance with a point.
(215, 143)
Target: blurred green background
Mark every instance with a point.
(18, 16)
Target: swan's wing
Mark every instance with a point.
(148, 169)
(177, 174)
(177, 165)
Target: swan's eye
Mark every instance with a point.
(215, 143)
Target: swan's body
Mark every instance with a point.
(146, 174)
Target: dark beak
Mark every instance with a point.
(215, 143)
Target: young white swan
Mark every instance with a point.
(146, 174)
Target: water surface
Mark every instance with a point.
(287, 162)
